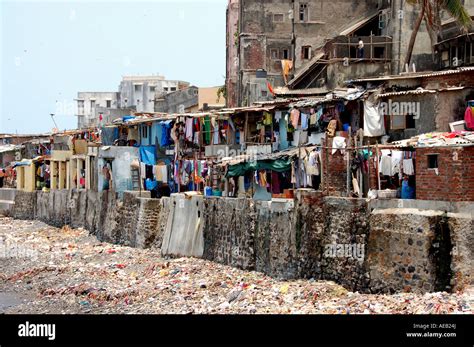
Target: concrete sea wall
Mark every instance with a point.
(394, 246)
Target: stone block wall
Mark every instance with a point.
(229, 236)
(275, 239)
(399, 250)
(346, 222)
(133, 221)
(411, 246)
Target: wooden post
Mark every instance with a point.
(327, 162)
(378, 167)
(370, 158)
(361, 176)
(246, 130)
(348, 162)
(371, 48)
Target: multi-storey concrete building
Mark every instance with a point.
(135, 93)
(139, 91)
(88, 104)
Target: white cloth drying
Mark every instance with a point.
(339, 143)
(374, 124)
(408, 167)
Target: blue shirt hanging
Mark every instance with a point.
(147, 155)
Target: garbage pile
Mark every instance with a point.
(66, 271)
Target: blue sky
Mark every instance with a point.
(51, 50)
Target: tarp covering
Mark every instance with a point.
(278, 165)
(147, 155)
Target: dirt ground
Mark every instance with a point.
(45, 270)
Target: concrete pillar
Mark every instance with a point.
(68, 175)
(78, 173)
(73, 171)
(30, 178)
(54, 175)
(62, 174)
(20, 178)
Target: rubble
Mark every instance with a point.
(68, 271)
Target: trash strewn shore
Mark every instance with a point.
(68, 271)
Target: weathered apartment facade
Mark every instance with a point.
(136, 93)
(320, 40)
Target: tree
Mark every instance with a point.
(430, 12)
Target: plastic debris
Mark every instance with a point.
(69, 271)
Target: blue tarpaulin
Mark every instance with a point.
(127, 118)
(147, 155)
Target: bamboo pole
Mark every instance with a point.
(348, 163)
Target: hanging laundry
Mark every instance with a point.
(215, 131)
(386, 163)
(374, 124)
(295, 118)
(339, 143)
(166, 134)
(161, 173)
(286, 66)
(397, 157)
(143, 171)
(189, 129)
(304, 121)
(332, 127)
(148, 155)
(408, 167)
(469, 118)
(151, 184)
(207, 130)
(314, 164)
(197, 138)
(267, 118)
(263, 179)
(278, 115)
(275, 183)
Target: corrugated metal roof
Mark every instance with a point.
(407, 92)
(438, 140)
(9, 148)
(419, 91)
(413, 75)
(309, 91)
